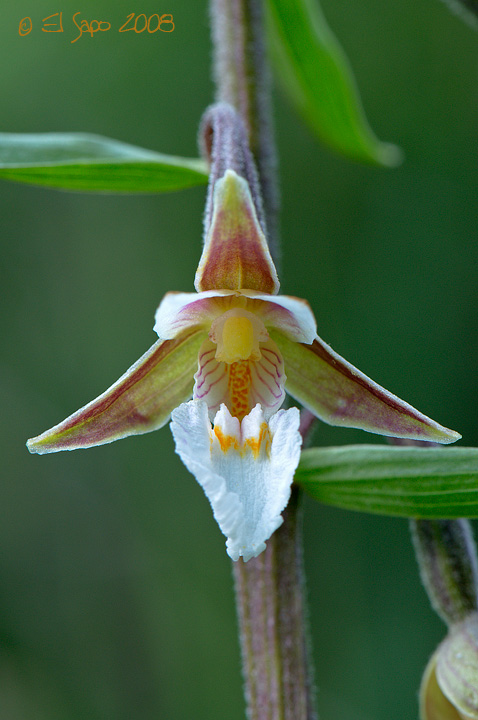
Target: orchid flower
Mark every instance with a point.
(236, 346)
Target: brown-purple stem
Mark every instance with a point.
(242, 79)
(273, 626)
(270, 588)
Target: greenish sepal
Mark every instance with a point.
(140, 401)
(340, 394)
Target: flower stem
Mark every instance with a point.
(448, 563)
(269, 588)
(447, 559)
(242, 79)
(271, 611)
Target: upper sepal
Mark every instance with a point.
(140, 401)
(340, 394)
(235, 254)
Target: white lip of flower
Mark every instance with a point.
(245, 468)
(245, 461)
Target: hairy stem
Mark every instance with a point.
(272, 620)
(269, 588)
(242, 79)
(466, 9)
(447, 559)
(446, 556)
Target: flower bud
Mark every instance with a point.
(449, 689)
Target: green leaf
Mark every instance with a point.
(415, 482)
(317, 76)
(92, 163)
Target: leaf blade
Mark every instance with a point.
(317, 76)
(398, 481)
(93, 163)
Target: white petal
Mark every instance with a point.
(291, 315)
(246, 469)
(177, 311)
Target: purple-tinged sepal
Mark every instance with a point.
(340, 394)
(139, 402)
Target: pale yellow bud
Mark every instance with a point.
(449, 688)
(237, 334)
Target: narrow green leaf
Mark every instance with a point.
(404, 481)
(317, 76)
(92, 163)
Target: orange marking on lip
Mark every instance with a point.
(255, 444)
(262, 442)
(239, 386)
(225, 441)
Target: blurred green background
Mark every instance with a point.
(116, 599)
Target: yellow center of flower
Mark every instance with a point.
(237, 339)
(237, 335)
